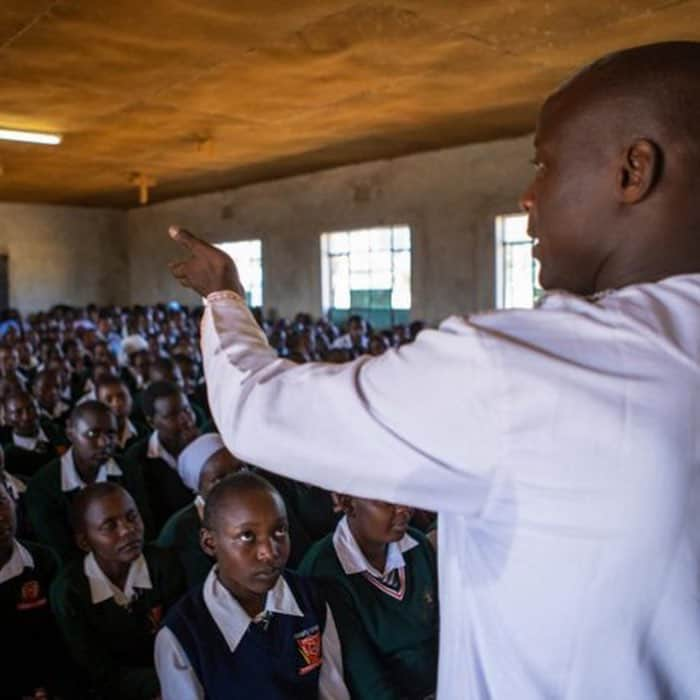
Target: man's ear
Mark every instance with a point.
(640, 170)
(207, 541)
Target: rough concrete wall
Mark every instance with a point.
(449, 199)
(64, 254)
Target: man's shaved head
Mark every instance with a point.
(614, 199)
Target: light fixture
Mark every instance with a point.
(30, 137)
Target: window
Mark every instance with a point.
(248, 258)
(516, 270)
(367, 272)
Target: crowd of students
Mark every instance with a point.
(140, 559)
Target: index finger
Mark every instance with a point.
(185, 238)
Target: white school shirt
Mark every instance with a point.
(71, 479)
(19, 560)
(560, 447)
(156, 450)
(178, 680)
(101, 588)
(29, 443)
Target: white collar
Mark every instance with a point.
(128, 433)
(14, 485)
(20, 560)
(60, 407)
(231, 619)
(156, 450)
(354, 561)
(70, 479)
(29, 443)
(101, 588)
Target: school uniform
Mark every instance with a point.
(51, 492)
(58, 414)
(34, 654)
(181, 534)
(17, 488)
(129, 436)
(26, 455)
(210, 648)
(109, 631)
(387, 620)
(165, 490)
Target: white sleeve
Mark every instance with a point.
(177, 678)
(331, 684)
(413, 426)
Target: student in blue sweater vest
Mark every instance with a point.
(252, 630)
(380, 578)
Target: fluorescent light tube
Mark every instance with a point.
(29, 137)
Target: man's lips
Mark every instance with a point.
(131, 546)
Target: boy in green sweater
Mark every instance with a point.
(92, 430)
(109, 604)
(380, 579)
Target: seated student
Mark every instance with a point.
(252, 630)
(29, 442)
(34, 657)
(47, 392)
(109, 603)
(380, 579)
(114, 392)
(201, 465)
(311, 512)
(16, 487)
(92, 430)
(169, 414)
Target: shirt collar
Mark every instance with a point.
(101, 588)
(354, 561)
(15, 486)
(128, 432)
(156, 450)
(70, 479)
(231, 619)
(29, 443)
(20, 560)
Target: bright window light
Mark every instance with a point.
(30, 137)
(516, 270)
(248, 258)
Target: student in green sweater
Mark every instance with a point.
(201, 465)
(34, 657)
(380, 579)
(110, 603)
(92, 430)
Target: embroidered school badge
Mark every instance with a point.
(309, 645)
(30, 596)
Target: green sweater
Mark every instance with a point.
(181, 534)
(48, 506)
(390, 646)
(34, 654)
(113, 645)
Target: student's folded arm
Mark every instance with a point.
(178, 680)
(412, 426)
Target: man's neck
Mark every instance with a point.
(374, 552)
(117, 572)
(87, 472)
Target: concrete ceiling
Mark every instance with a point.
(206, 94)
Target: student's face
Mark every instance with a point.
(46, 390)
(174, 420)
(219, 465)
(94, 437)
(570, 200)
(377, 521)
(356, 329)
(8, 360)
(117, 397)
(139, 361)
(8, 522)
(250, 542)
(21, 415)
(112, 529)
(102, 355)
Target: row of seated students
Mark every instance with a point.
(128, 530)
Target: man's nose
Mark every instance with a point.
(527, 198)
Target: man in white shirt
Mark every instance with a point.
(559, 446)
